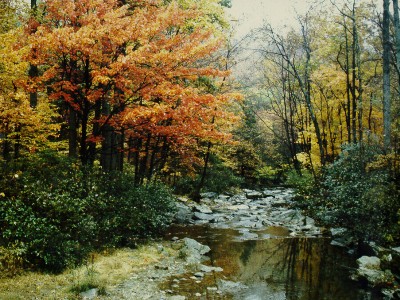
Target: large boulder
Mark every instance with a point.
(193, 252)
(369, 269)
(202, 209)
(183, 214)
(203, 217)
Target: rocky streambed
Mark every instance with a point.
(251, 245)
(255, 214)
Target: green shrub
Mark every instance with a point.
(304, 183)
(364, 201)
(221, 178)
(135, 213)
(58, 212)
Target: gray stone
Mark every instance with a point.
(230, 287)
(279, 203)
(369, 268)
(89, 294)
(208, 269)
(335, 232)
(339, 243)
(202, 216)
(202, 209)
(239, 198)
(254, 195)
(177, 297)
(309, 221)
(193, 251)
(183, 214)
(369, 262)
(209, 195)
(238, 207)
(307, 228)
(248, 236)
(199, 274)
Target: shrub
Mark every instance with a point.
(304, 183)
(221, 178)
(364, 201)
(268, 175)
(58, 212)
(135, 213)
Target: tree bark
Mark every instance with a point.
(72, 133)
(386, 76)
(33, 70)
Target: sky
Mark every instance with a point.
(249, 14)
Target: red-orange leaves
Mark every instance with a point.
(132, 68)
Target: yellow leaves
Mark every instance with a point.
(12, 66)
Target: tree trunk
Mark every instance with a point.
(386, 76)
(33, 70)
(72, 133)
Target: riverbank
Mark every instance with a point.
(252, 234)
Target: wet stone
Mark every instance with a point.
(89, 294)
(203, 216)
(238, 207)
(210, 195)
(199, 274)
(254, 195)
(202, 209)
(177, 297)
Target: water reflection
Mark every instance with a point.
(276, 268)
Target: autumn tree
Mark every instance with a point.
(21, 127)
(126, 77)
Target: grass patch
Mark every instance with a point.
(104, 271)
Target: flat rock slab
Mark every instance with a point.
(254, 195)
(238, 207)
(202, 209)
(202, 216)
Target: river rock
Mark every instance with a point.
(230, 287)
(209, 195)
(239, 198)
(183, 214)
(208, 269)
(279, 203)
(193, 251)
(369, 268)
(204, 209)
(89, 294)
(395, 264)
(199, 274)
(238, 207)
(338, 232)
(309, 221)
(203, 217)
(177, 297)
(254, 195)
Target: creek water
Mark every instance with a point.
(277, 266)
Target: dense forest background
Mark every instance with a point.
(109, 107)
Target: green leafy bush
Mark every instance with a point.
(364, 201)
(304, 183)
(267, 175)
(219, 179)
(58, 212)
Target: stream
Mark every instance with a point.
(266, 250)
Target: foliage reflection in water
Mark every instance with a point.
(280, 267)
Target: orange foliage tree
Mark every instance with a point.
(126, 77)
